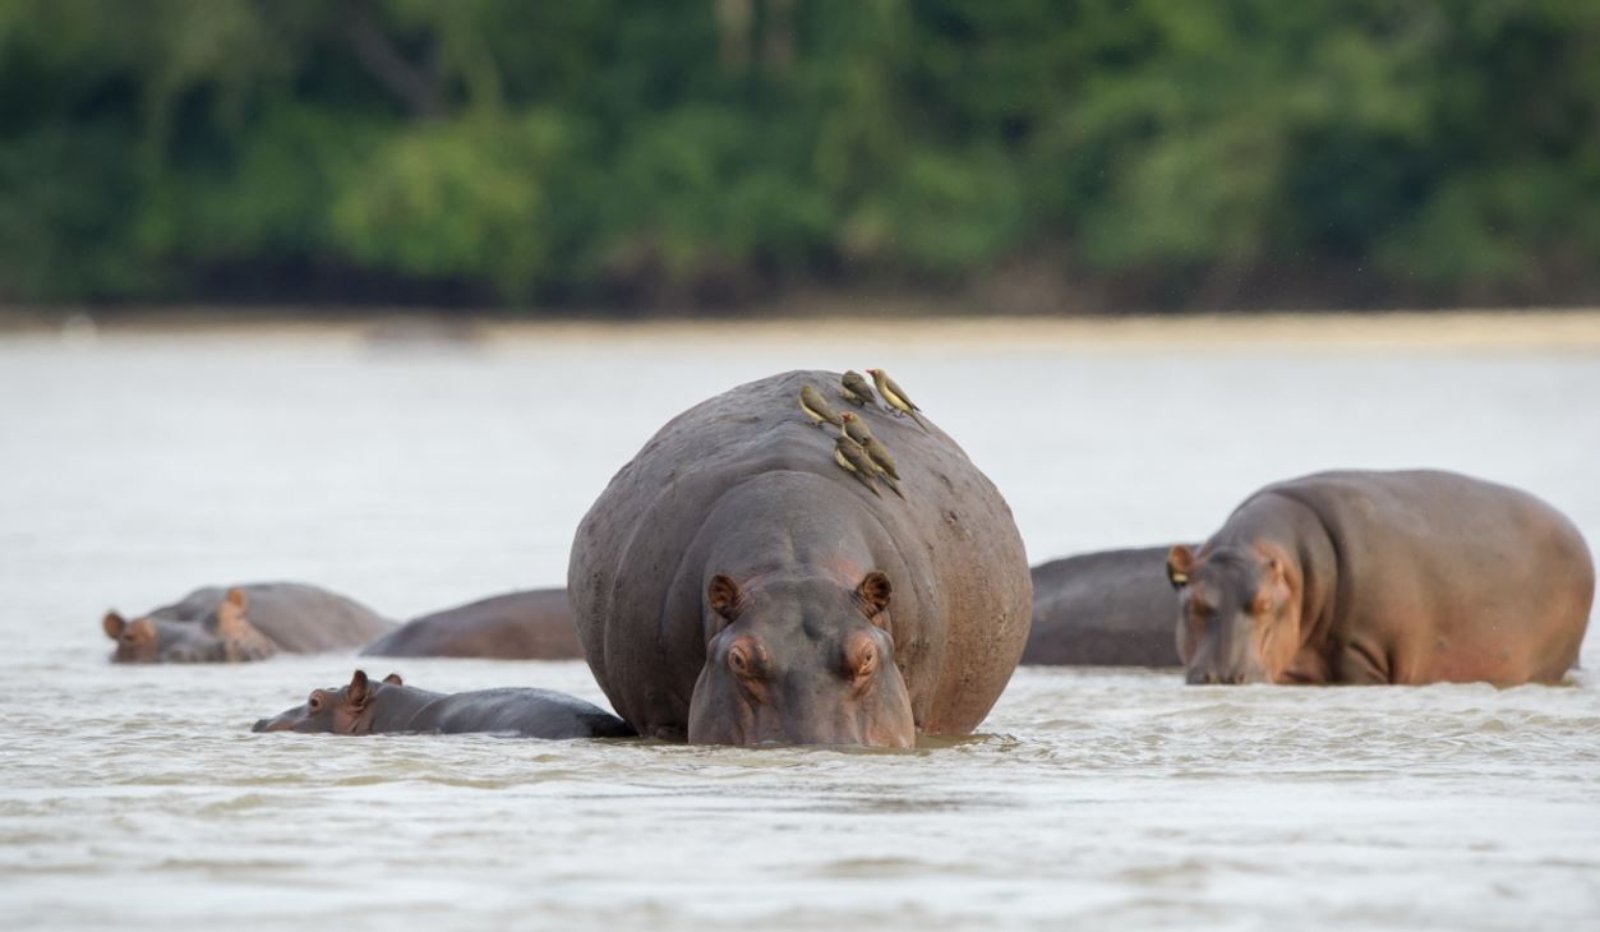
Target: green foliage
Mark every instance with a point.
(1438, 150)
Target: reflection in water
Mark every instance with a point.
(138, 798)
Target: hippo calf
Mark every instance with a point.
(1112, 608)
(391, 707)
(241, 623)
(1385, 577)
(533, 625)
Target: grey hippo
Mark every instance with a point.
(240, 623)
(531, 625)
(391, 707)
(734, 585)
(1110, 608)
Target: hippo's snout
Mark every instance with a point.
(1198, 677)
(285, 722)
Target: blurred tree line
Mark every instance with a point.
(1101, 153)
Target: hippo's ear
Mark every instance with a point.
(113, 624)
(724, 597)
(231, 620)
(359, 690)
(393, 679)
(1180, 563)
(873, 594)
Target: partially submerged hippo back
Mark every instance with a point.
(734, 585)
(241, 623)
(390, 707)
(533, 625)
(1385, 577)
(1113, 608)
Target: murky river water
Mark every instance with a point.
(132, 469)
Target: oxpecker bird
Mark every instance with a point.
(854, 460)
(895, 396)
(817, 408)
(856, 429)
(883, 464)
(853, 387)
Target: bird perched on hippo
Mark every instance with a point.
(1385, 577)
(243, 623)
(733, 585)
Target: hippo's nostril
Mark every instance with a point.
(260, 725)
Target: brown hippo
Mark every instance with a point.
(1385, 577)
(734, 584)
(533, 625)
(1113, 608)
(391, 707)
(251, 622)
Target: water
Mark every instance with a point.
(134, 468)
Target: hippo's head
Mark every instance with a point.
(1238, 616)
(342, 710)
(224, 635)
(804, 661)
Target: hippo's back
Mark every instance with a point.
(305, 619)
(1113, 608)
(532, 625)
(532, 713)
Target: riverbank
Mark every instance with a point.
(1553, 330)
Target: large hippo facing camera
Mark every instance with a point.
(737, 583)
(1385, 577)
(241, 623)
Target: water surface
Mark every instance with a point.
(135, 468)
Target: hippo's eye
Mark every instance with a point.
(746, 659)
(315, 702)
(860, 658)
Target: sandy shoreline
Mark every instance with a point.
(1555, 330)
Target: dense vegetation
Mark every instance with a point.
(1122, 153)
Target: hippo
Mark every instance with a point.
(392, 707)
(532, 625)
(734, 584)
(1112, 608)
(1384, 577)
(242, 623)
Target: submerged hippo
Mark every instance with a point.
(1113, 608)
(734, 584)
(391, 707)
(252, 622)
(533, 625)
(1385, 577)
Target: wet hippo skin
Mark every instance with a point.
(1385, 577)
(1111, 608)
(241, 623)
(734, 585)
(532, 625)
(366, 708)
